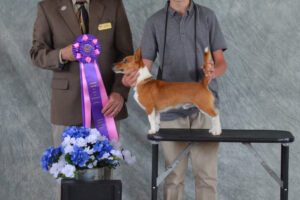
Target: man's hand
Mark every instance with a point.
(130, 77)
(67, 53)
(210, 72)
(114, 105)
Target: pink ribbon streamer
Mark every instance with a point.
(110, 122)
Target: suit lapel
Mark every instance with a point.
(96, 13)
(65, 8)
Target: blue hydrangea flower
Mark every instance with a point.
(102, 147)
(98, 146)
(76, 132)
(113, 162)
(83, 132)
(49, 156)
(62, 149)
(107, 147)
(100, 154)
(71, 131)
(79, 156)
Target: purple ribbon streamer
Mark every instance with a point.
(95, 97)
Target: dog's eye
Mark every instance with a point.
(125, 61)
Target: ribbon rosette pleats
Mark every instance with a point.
(86, 50)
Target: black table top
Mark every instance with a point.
(228, 135)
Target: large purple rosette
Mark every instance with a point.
(86, 50)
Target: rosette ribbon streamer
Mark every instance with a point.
(86, 50)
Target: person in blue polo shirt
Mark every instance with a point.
(179, 33)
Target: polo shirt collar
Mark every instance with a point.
(191, 8)
(189, 11)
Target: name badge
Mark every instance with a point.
(104, 26)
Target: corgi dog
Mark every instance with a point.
(156, 96)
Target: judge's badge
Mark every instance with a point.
(104, 26)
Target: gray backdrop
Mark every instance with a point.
(260, 90)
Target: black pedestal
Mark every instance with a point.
(91, 190)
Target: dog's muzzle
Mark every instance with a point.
(118, 71)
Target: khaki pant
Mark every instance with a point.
(57, 131)
(204, 157)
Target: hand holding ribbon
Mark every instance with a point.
(114, 105)
(67, 54)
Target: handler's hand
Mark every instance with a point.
(67, 53)
(130, 77)
(114, 105)
(210, 73)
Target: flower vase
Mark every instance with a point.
(94, 174)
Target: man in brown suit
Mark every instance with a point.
(56, 28)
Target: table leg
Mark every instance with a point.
(284, 171)
(154, 171)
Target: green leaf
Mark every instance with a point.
(68, 159)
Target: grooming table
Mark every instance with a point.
(242, 136)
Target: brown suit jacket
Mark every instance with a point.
(56, 26)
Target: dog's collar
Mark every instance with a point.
(145, 81)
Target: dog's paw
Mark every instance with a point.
(157, 129)
(214, 131)
(151, 131)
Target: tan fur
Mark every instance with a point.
(158, 95)
(161, 95)
(207, 58)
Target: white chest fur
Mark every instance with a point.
(144, 74)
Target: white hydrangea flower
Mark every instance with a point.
(117, 153)
(94, 131)
(68, 171)
(105, 156)
(61, 158)
(73, 141)
(89, 150)
(130, 160)
(128, 157)
(55, 169)
(95, 163)
(68, 149)
(67, 141)
(62, 161)
(92, 157)
(126, 153)
(98, 134)
(116, 145)
(90, 166)
(92, 138)
(80, 142)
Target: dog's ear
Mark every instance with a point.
(138, 55)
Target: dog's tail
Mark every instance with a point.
(206, 66)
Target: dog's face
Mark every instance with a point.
(130, 62)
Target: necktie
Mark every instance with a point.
(83, 17)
